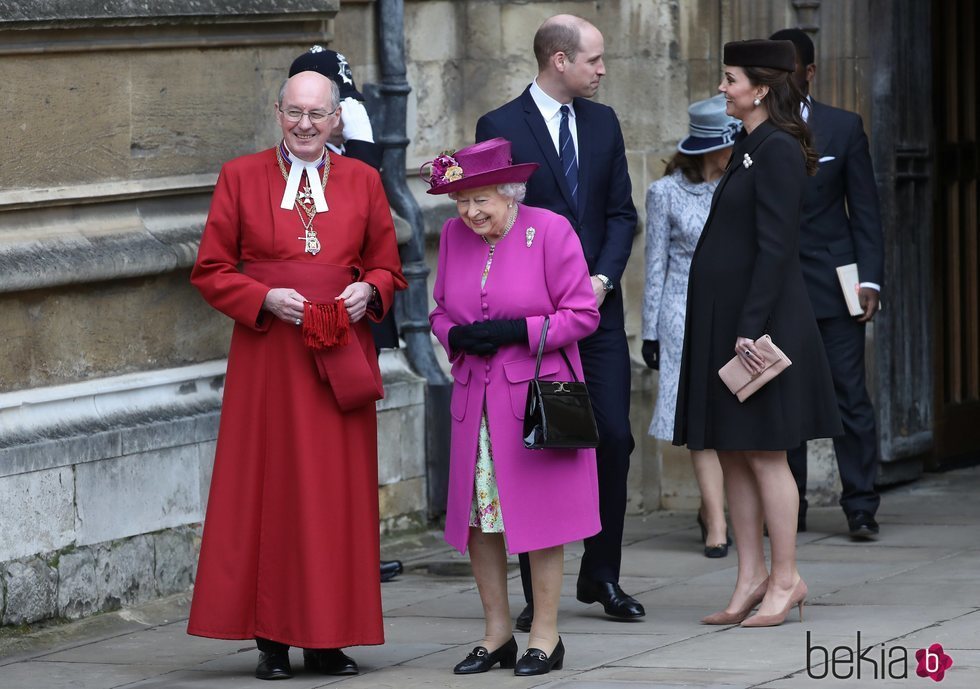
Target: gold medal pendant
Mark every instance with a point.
(312, 243)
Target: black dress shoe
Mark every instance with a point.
(862, 526)
(329, 661)
(614, 601)
(391, 569)
(713, 551)
(273, 666)
(524, 620)
(537, 662)
(481, 660)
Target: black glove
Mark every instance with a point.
(469, 339)
(501, 332)
(651, 353)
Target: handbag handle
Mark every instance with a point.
(544, 335)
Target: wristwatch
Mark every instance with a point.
(607, 284)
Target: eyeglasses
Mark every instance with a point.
(294, 115)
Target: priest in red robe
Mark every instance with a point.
(299, 250)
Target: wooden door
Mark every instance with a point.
(956, 252)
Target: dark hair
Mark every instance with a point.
(690, 166)
(783, 104)
(556, 37)
(804, 46)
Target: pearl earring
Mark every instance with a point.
(757, 102)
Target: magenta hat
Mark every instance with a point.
(480, 165)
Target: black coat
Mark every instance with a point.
(746, 281)
(604, 217)
(840, 222)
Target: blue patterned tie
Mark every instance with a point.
(566, 152)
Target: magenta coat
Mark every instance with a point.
(547, 497)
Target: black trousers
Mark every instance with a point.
(606, 363)
(857, 449)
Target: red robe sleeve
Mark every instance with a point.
(215, 273)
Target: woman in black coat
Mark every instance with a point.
(746, 281)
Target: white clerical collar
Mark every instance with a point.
(296, 169)
(548, 106)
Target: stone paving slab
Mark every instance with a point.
(919, 584)
(52, 675)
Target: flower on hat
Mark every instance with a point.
(445, 168)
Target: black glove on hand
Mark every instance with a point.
(651, 353)
(501, 332)
(471, 339)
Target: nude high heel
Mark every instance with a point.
(743, 612)
(797, 597)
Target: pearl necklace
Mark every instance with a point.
(510, 224)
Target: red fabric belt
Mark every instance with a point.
(352, 378)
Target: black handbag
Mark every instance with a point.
(558, 414)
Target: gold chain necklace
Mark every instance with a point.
(510, 224)
(304, 203)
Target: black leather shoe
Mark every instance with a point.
(329, 661)
(614, 601)
(524, 620)
(862, 526)
(537, 662)
(717, 550)
(391, 569)
(273, 666)
(481, 660)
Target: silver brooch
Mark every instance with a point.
(747, 161)
(529, 236)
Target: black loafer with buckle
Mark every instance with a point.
(481, 660)
(537, 662)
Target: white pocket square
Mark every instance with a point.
(826, 159)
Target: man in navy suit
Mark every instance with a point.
(840, 224)
(583, 176)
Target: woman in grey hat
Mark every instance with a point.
(677, 206)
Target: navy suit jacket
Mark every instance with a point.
(840, 222)
(604, 217)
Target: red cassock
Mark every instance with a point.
(290, 550)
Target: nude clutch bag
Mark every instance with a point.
(742, 383)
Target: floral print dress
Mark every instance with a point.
(485, 513)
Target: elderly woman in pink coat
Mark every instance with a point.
(504, 268)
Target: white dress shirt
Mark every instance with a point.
(551, 112)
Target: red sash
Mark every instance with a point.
(350, 367)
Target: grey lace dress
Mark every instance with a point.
(676, 212)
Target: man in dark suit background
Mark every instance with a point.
(583, 176)
(841, 224)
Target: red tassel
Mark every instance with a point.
(325, 325)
